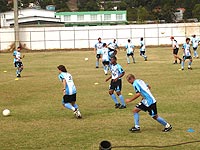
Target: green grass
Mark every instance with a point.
(38, 120)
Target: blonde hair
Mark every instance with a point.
(130, 76)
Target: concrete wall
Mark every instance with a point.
(86, 37)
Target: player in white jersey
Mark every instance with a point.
(195, 42)
(105, 58)
(98, 51)
(175, 48)
(69, 91)
(129, 51)
(18, 61)
(117, 73)
(142, 49)
(186, 54)
(112, 46)
(148, 103)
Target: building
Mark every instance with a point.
(30, 17)
(92, 18)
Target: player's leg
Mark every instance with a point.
(132, 55)
(183, 62)
(190, 63)
(97, 60)
(128, 60)
(111, 92)
(118, 91)
(136, 111)
(153, 113)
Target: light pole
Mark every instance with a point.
(16, 25)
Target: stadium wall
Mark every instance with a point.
(42, 38)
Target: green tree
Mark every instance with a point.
(196, 11)
(4, 6)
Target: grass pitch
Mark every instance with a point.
(38, 120)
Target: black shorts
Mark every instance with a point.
(18, 64)
(142, 53)
(194, 48)
(116, 86)
(175, 51)
(187, 57)
(152, 109)
(105, 63)
(69, 98)
(98, 56)
(130, 54)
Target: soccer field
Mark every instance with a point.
(39, 121)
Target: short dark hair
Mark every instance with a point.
(187, 39)
(129, 40)
(62, 68)
(104, 44)
(114, 57)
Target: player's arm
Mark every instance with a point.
(109, 78)
(133, 98)
(64, 83)
(121, 75)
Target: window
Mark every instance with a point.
(93, 17)
(119, 17)
(80, 17)
(107, 17)
(67, 18)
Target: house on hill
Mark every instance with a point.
(92, 18)
(30, 17)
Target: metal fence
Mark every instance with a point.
(85, 37)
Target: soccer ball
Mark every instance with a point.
(6, 112)
(86, 59)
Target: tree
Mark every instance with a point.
(196, 11)
(4, 6)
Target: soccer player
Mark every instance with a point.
(175, 48)
(117, 73)
(98, 51)
(113, 46)
(69, 91)
(129, 51)
(148, 103)
(18, 61)
(186, 54)
(105, 58)
(195, 42)
(142, 49)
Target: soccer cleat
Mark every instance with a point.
(77, 114)
(190, 68)
(18, 75)
(122, 107)
(166, 129)
(145, 59)
(182, 68)
(180, 61)
(134, 129)
(117, 105)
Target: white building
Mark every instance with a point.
(92, 17)
(29, 17)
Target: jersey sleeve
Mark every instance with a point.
(120, 69)
(60, 77)
(136, 87)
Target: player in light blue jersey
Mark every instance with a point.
(148, 103)
(195, 42)
(117, 73)
(129, 51)
(98, 51)
(69, 91)
(186, 54)
(18, 61)
(105, 58)
(142, 49)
